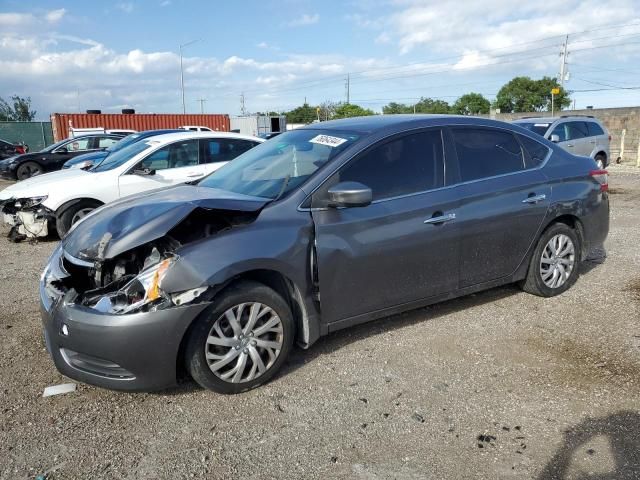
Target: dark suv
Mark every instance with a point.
(52, 158)
(321, 228)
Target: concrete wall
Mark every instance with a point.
(615, 119)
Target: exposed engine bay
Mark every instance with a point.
(132, 281)
(27, 218)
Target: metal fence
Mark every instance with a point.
(35, 134)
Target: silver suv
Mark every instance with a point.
(580, 135)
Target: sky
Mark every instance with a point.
(70, 56)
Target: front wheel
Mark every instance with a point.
(74, 214)
(243, 341)
(554, 265)
(28, 170)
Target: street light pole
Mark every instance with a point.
(184, 107)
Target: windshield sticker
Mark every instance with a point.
(328, 140)
(540, 124)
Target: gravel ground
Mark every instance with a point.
(500, 384)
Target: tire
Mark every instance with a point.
(71, 215)
(28, 170)
(215, 336)
(601, 161)
(541, 275)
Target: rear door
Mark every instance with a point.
(172, 164)
(215, 152)
(504, 197)
(579, 137)
(390, 252)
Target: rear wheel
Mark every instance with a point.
(554, 265)
(73, 214)
(28, 170)
(243, 342)
(601, 161)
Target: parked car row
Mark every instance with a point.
(57, 200)
(323, 227)
(53, 157)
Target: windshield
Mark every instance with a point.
(122, 156)
(278, 166)
(539, 128)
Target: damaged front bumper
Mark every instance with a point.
(134, 351)
(30, 222)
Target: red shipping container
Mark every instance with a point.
(62, 122)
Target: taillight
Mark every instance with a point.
(602, 177)
(19, 149)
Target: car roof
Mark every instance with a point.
(375, 123)
(187, 134)
(584, 118)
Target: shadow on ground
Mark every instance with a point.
(621, 430)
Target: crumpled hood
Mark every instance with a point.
(39, 185)
(134, 221)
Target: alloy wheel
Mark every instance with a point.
(244, 342)
(557, 261)
(80, 214)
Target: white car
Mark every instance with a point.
(64, 197)
(195, 128)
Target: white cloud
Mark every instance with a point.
(54, 16)
(165, 3)
(262, 45)
(15, 19)
(126, 7)
(304, 19)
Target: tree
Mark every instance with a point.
(523, 94)
(19, 112)
(429, 105)
(471, 104)
(346, 110)
(302, 114)
(328, 110)
(394, 107)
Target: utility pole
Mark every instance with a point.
(184, 107)
(347, 85)
(243, 111)
(563, 63)
(202, 102)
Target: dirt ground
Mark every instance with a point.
(500, 384)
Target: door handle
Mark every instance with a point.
(569, 144)
(534, 198)
(592, 141)
(196, 175)
(441, 219)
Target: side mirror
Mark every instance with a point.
(61, 150)
(349, 194)
(144, 171)
(554, 138)
(87, 164)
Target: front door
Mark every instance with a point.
(394, 251)
(170, 165)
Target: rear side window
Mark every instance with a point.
(409, 164)
(534, 152)
(594, 129)
(485, 152)
(577, 130)
(224, 150)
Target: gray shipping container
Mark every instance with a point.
(258, 124)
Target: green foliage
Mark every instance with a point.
(19, 112)
(523, 94)
(424, 105)
(346, 110)
(302, 114)
(471, 104)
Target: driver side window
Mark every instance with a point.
(401, 166)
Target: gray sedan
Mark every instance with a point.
(321, 228)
